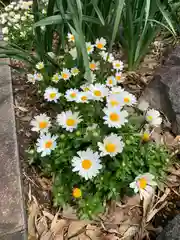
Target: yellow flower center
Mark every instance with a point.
(75, 70)
(110, 147)
(110, 81)
(114, 103)
(86, 89)
(99, 45)
(70, 122)
(84, 98)
(149, 118)
(142, 183)
(114, 117)
(64, 75)
(72, 38)
(126, 100)
(86, 164)
(73, 94)
(97, 93)
(145, 136)
(118, 65)
(92, 66)
(55, 78)
(43, 125)
(89, 48)
(52, 95)
(118, 77)
(48, 144)
(77, 193)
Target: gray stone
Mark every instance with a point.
(171, 231)
(163, 92)
(12, 210)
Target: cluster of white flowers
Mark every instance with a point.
(17, 17)
(116, 101)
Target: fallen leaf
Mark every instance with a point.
(47, 236)
(41, 226)
(76, 227)
(70, 213)
(131, 232)
(48, 215)
(152, 213)
(148, 200)
(33, 212)
(93, 232)
(23, 109)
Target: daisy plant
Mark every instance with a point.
(97, 141)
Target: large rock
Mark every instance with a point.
(171, 231)
(163, 92)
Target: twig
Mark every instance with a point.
(29, 179)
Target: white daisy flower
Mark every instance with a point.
(51, 94)
(119, 78)
(99, 91)
(114, 117)
(89, 47)
(65, 74)
(31, 78)
(71, 37)
(56, 77)
(144, 184)
(73, 53)
(5, 30)
(84, 97)
(143, 105)
(6, 39)
(87, 164)
(71, 95)
(111, 81)
(75, 71)
(113, 100)
(40, 65)
(118, 65)
(112, 145)
(85, 87)
(116, 90)
(101, 43)
(45, 144)
(93, 76)
(69, 120)
(38, 76)
(40, 123)
(153, 117)
(107, 57)
(94, 65)
(127, 98)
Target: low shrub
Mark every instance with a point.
(97, 139)
(17, 20)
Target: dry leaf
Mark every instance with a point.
(152, 213)
(110, 237)
(23, 109)
(47, 236)
(148, 200)
(48, 215)
(33, 212)
(41, 226)
(131, 232)
(70, 213)
(76, 227)
(58, 229)
(93, 232)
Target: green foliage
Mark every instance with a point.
(115, 177)
(141, 23)
(118, 171)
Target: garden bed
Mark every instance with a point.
(37, 186)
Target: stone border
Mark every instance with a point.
(12, 209)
